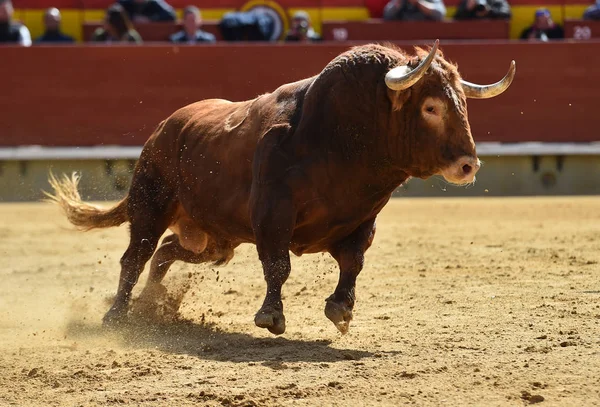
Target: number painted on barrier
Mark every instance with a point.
(582, 32)
(340, 34)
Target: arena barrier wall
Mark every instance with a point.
(117, 95)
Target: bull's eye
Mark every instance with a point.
(433, 110)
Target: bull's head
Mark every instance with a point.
(429, 93)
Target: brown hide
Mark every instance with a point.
(333, 140)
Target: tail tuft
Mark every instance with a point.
(83, 215)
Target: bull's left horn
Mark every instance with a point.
(475, 91)
(401, 77)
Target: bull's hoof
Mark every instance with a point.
(271, 319)
(340, 315)
(115, 317)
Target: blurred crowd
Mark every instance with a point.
(256, 25)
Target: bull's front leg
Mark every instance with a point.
(349, 253)
(273, 219)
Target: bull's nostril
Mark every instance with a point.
(466, 169)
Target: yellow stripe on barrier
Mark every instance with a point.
(575, 10)
(344, 13)
(450, 11)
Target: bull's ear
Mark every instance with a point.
(398, 98)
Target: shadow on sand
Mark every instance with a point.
(155, 322)
(207, 341)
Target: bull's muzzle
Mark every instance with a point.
(462, 171)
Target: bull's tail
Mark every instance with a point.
(83, 215)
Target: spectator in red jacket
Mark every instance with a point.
(375, 7)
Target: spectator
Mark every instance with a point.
(52, 23)
(301, 29)
(483, 9)
(117, 27)
(592, 12)
(543, 28)
(414, 10)
(143, 11)
(191, 33)
(11, 31)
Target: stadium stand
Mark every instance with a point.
(77, 13)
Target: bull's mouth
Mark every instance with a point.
(459, 182)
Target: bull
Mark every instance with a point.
(304, 169)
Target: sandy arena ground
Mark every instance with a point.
(463, 302)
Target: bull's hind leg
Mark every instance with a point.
(150, 208)
(349, 253)
(170, 251)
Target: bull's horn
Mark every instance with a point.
(475, 91)
(402, 77)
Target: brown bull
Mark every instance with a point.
(305, 169)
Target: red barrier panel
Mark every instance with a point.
(582, 29)
(91, 95)
(380, 30)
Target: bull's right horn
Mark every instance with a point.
(401, 77)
